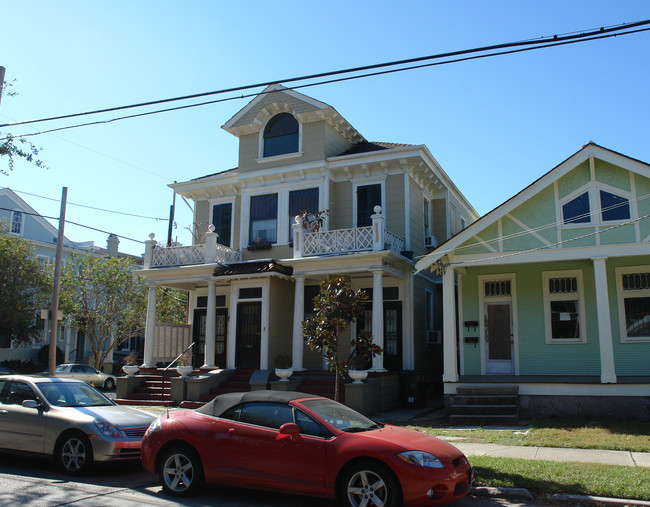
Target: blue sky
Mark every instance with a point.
(495, 125)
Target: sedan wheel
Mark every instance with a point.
(74, 454)
(109, 384)
(181, 473)
(370, 484)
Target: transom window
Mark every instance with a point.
(16, 222)
(564, 307)
(634, 303)
(497, 288)
(264, 218)
(281, 135)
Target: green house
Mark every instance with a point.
(548, 295)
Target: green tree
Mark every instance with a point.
(16, 147)
(102, 296)
(25, 288)
(337, 305)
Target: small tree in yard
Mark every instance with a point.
(102, 296)
(337, 305)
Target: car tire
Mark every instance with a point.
(109, 384)
(369, 483)
(181, 471)
(74, 454)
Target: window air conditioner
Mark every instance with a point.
(430, 241)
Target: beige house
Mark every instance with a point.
(255, 267)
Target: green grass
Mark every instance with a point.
(545, 478)
(584, 433)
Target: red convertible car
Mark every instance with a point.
(302, 444)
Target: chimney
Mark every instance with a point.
(112, 245)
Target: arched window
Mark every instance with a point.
(281, 135)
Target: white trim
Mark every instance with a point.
(283, 156)
(593, 189)
(461, 318)
(530, 231)
(22, 223)
(620, 296)
(580, 296)
(407, 212)
(567, 389)
(224, 200)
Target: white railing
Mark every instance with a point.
(226, 255)
(393, 242)
(208, 253)
(178, 255)
(337, 241)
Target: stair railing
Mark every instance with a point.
(162, 390)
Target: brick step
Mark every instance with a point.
(146, 396)
(153, 389)
(489, 410)
(484, 420)
(487, 391)
(145, 403)
(485, 399)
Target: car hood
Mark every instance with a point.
(411, 440)
(118, 415)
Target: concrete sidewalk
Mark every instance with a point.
(620, 458)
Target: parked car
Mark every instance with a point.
(302, 444)
(86, 373)
(68, 421)
(5, 371)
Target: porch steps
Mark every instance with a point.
(319, 383)
(485, 405)
(153, 392)
(237, 382)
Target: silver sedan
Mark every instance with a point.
(68, 421)
(86, 373)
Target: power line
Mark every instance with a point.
(87, 207)
(535, 43)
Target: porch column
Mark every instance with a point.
(150, 329)
(298, 317)
(378, 228)
(378, 318)
(607, 367)
(449, 347)
(231, 340)
(297, 235)
(210, 326)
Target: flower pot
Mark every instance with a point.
(283, 373)
(358, 376)
(130, 369)
(184, 371)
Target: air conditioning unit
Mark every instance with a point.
(434, 337)
(430, 242)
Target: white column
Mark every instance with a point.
(378, 318)
(231, 350)
(297, 235)
(150, 329)
(449, 346)
(607, 366)
(149, 245)
(210, 245)
(210, 326)
(378, 228)
(298, 317)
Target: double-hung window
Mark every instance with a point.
(633, 287)
(564, 307)
(264, 218)
(222, 221)
(16, 223)
(301, 201)
(368, 196)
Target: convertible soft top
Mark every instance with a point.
(223, 402)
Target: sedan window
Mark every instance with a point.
(269, 415)
(309, 426)
(73, 395)
(14, 393)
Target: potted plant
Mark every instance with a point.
(131, 364)
(361, 357)
(259, 244)
(184, 364)
(283, 368)
(313, 221)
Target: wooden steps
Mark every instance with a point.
(485, 405)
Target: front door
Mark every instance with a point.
(198, 337)
(249, 338)
(393, 335)
(220, 336)
(499, 339)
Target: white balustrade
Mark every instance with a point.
(194, 254)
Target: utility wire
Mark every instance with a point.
(538, 43)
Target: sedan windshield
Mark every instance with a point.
(72, 395)
(340, 416)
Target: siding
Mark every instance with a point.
(439, 219)
(416, 215)
(573, 180)
(394, 205)
(341, 206)
(334, 143)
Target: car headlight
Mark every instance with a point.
(421, 458)
(107, 429)
(154, 426)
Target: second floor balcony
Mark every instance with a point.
(374, 237)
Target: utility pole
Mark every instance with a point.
(172, 212)
(2, 80)
(57, 280)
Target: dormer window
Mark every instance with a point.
(595, 206)
(281, 135)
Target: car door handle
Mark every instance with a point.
(231, 432)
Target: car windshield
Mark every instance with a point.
(340, 416)
(62, 367)
(72, 395)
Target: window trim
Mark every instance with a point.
(620, 296)
(548, 298)
(22, 223)
(366, 182)
(260, 149)
(218, 202)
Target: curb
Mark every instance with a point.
(599, 500)
(510, 493)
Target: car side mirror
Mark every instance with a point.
(31, 404)
(289, 430)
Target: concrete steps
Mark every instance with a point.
(485, 405)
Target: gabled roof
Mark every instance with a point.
(367, 146)
(588, 150)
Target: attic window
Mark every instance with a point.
(614, 207)
(281, 135)
(577, 210)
